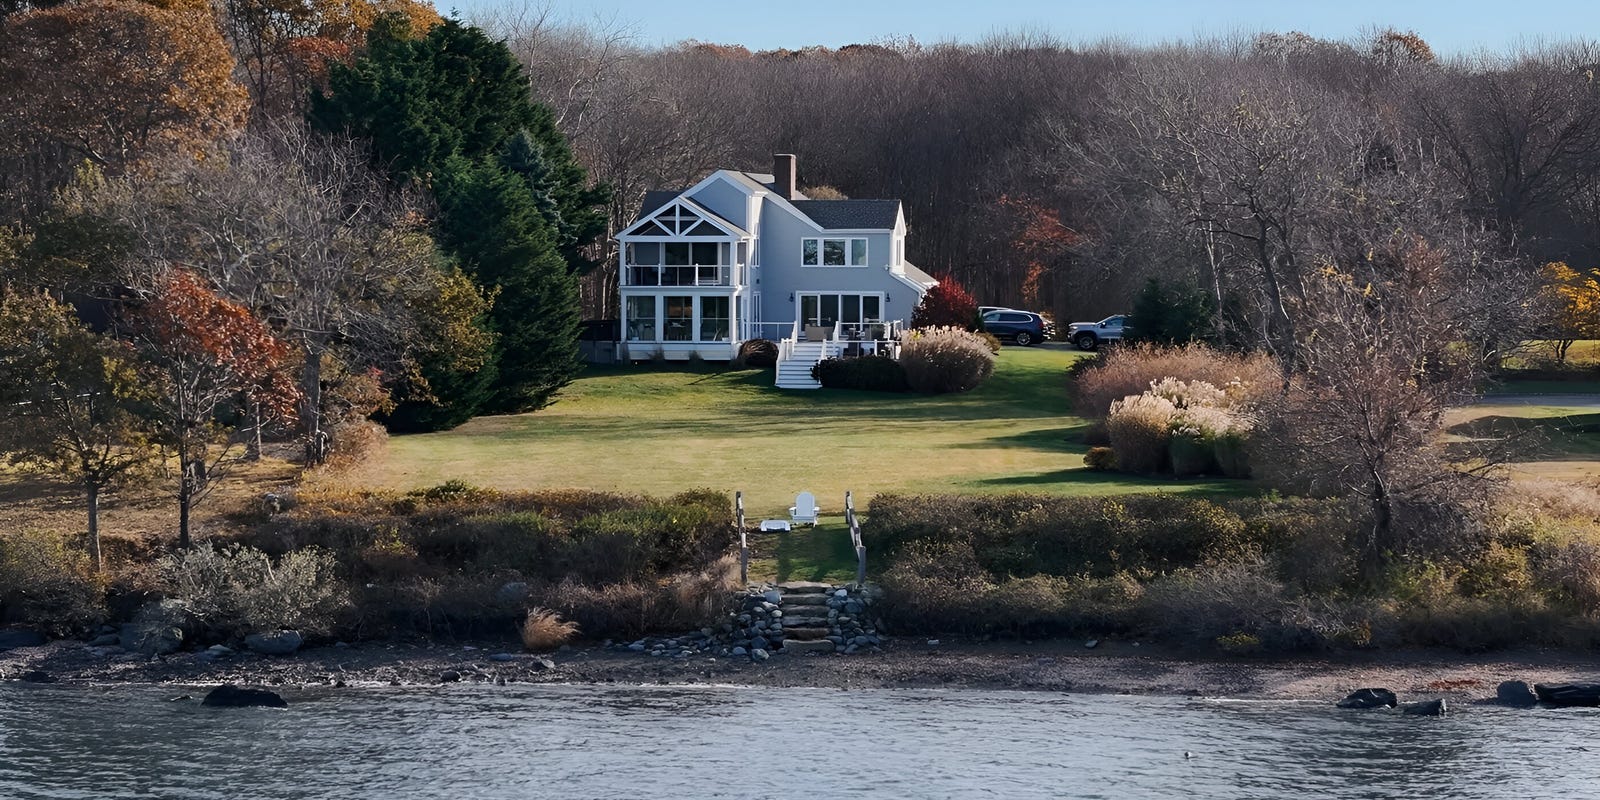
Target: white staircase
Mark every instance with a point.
(794, 372)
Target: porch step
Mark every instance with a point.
(804, 634)
(797, 646)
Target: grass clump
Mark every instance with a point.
(543, 630)
(945, 360)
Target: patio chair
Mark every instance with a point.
(805, 510)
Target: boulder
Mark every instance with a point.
(543, 664)
(11, 640)
(106, 640)
(1517, 694)
(449, 676)
(230, 696)
(37, 676)
(151, 640)
(159, 628)
(276, 643)
(512, 593)
(759, 655)
(1430, 708)
(1568, 694)
(1369, 698)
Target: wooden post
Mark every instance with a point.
(744, 546)
(855, 538)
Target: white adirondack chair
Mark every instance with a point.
(805, 510)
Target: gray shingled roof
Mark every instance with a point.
(836, 214)
(654, 199)
(918, 276)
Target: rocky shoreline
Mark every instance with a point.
(1059, 666)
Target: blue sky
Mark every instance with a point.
(1451, 27)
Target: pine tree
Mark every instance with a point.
(451, 111)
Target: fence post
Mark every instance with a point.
(744, 546)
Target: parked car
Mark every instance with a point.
(1090, 335)
(1023, 327)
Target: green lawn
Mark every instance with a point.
(659, 430)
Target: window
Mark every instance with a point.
(833, 252)
(705, 253)
(641, 319)
(679, 324)
(714, 319)
(849, 309)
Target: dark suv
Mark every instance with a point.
(1024, 327)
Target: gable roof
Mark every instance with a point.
(840, 214)
(654, 200)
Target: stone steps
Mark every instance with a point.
(806, 587)
(804, 622)
(798, 646)
(798, 610)
(802, 634)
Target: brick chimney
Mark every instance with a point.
(783, 175)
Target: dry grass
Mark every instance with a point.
(1128, 371)
(544, 630)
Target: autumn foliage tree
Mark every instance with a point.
(946, 304)
(1574, 300)
(108, 81)
(72, 403)
(208, 358)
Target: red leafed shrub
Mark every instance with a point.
(947, 304)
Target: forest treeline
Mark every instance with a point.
(1061, 178)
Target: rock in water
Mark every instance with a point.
(231, 696)
(1431, 708)
(449, 676)
(1568, 694)
(1369, 698)
(10, 640)
(37, 676)
(1517, 694)
(759, 655)
(278, 643)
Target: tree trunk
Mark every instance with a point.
(186, 489)
(252, 447)
(92, 501)
(316, 445)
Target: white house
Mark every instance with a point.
(744, 255)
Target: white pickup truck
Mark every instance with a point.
(1090, 335)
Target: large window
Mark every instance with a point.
(714, 319)
(679, 322)
(850, 309)
(833, 252)
(641, 319)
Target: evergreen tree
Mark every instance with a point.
(451, 111)
(1171, 313)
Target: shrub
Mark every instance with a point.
(544, 629)
(757, 353)
(1230, 451)
(1102, 459)
(1125, 371)
(1171, 312)
(945, 359)
(631, 609)
(48, 583)
(868, 373)
(1140, 427)
(947, 304)
(238, 590)
(1188, 394)
(991, 340)
(1195, 429)
(1205, 603)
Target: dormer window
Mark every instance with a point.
(833, 252)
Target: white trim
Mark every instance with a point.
(730, 232)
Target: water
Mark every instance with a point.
(693, 742)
